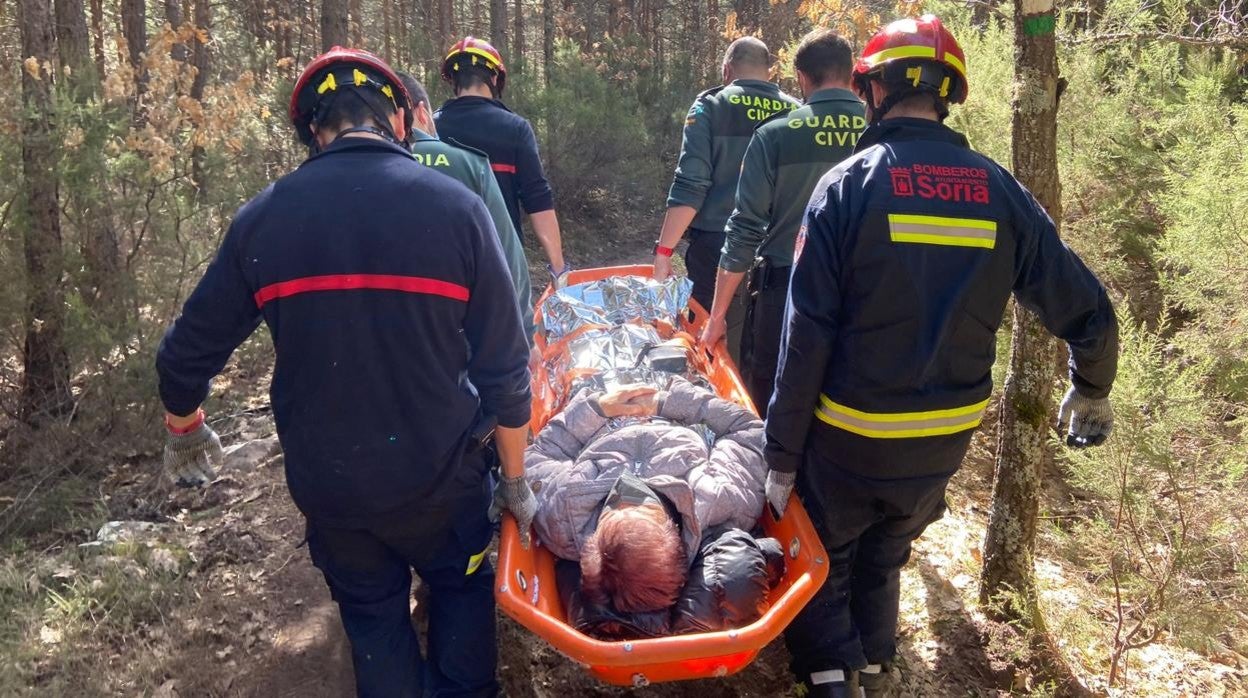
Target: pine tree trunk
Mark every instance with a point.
(45, 381)
(200, 58)
(87, 207)
(97, 34)
(387, 49)
(134, 27)
(548, 39)
(1009, 547)
(173, 16)
(334, 25)
(517, 50)
(498, 22)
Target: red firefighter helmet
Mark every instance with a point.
(919, 50)
(473, 51)
(344, 67)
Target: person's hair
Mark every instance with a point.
(415, 90)
(748, 54)
(350, 106)
(469, 76)
(824, 56)
(635, 560)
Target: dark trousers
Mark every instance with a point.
(867, 527)
(368, 570)
(702, 264)
(760, 340)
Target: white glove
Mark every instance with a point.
(191, 459)
(515, 496)
(1086, 421)
(779, 486)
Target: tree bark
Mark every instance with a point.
(134, 28)
(74, 47)
(1010, 544)
(548, 39)
(517, 50)
(45, 381)
(334, 24)
(200, 59)
(446, 21)
(387, 49)
(356, 20)
(173, 16)
(498, 22)
(97, 33)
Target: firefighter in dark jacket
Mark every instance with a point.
(909, 253)
(398, 344)
(785, 159)
(478, 118)
(471, 168)
(717, 130)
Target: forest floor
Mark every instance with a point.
(219, 598)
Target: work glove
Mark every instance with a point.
(517, 498)
(191, 459)
(1086, 421)
(779, 486)
(559, 277)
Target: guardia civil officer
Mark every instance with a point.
(785, 159)
(398, 345)
(910, 251)
(478, 118)
(471, 168)
(717, 130)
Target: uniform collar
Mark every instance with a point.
(833, 94)
(760, 84)
(352, 144)
(470, 101)
(907, 129)
(419, 136)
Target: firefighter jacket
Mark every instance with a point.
(507, 140)
(394, 322)
(784, 161)
(717, 130)
(910, 251)
(471, 168)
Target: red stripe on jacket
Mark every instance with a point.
(500, 167)
(351, 282)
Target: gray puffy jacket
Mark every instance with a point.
(578, 456)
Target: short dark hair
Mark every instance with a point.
(824, 56)
(415, 90)
(469, 76)
(748, 52)
(352, 106)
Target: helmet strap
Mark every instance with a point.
(382, 128)
(878, 112)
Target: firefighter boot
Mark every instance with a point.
(879, 681)
(831, 684)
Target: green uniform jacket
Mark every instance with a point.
(717, 131)
(472, 169)
(784, 162)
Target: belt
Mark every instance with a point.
(900, 425)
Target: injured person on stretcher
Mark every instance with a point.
(654, 490)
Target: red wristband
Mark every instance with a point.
(182, 431)
(664, 251)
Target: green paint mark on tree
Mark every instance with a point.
(1037, 25)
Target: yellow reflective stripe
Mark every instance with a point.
(940, 230)
(901, 52)
(474, 562)
(953, 61)
(475, 52)
(900, 425)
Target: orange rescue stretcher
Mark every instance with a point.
(526, 578)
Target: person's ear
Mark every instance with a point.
(424, 117)
(726, 72)
(398, 124)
